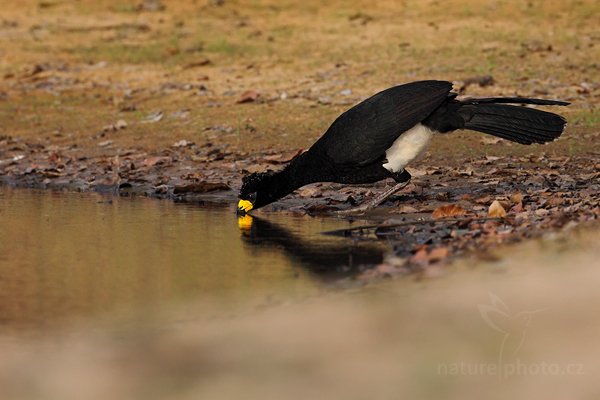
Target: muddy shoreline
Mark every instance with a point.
(445, 212)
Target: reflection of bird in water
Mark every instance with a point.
(513, 326)
(328, 259)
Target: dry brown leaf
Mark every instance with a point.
(310, 192)
(407, 209)
(555, 201)
(516, 198)
(517, 208)
(121, 124)
(483, 200)
(417, 172)
(468, 171)
(257, 168)
(505, 204)
(153, 117)
(151, 161)
(420, 257)
(183, 143)
(273, 157)
(282, 158)
(439, 253)
(496, 210)
(489, 140)
(448, 210)
(248, 96)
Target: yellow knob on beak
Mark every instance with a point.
(244, 206)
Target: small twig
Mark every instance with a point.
(347, 231)
(376, 201)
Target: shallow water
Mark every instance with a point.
(66, 256)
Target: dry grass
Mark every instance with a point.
(100, 56)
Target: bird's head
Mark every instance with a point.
(257, 191)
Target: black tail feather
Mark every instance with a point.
(519, 124)
(515, 100)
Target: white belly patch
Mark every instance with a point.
(407, 147)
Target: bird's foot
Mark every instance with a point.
(402, 176)
(376, 201)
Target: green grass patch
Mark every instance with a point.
(226, 47)
(585, 118)
(124, 8)
(128, 53)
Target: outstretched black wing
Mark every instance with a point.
(362, 134)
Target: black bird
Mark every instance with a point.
(377, 138)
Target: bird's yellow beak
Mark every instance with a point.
(244, 206)
(245, 222)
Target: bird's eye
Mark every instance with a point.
(252, 197)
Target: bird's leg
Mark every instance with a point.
(402, 179)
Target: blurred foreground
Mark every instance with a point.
(522, 325)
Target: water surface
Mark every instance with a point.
(66, 255)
